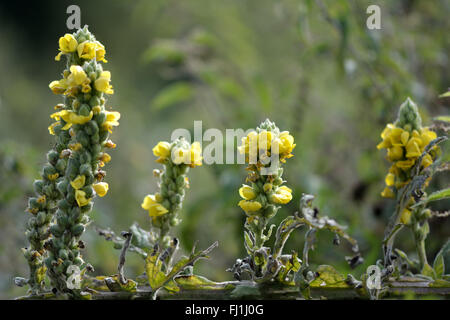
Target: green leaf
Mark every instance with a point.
(438, 195)
(439, 264)
(171, 286)
(198, 282)
(428, 271)
(248, 243)
(114, 285)
(442, 118)
(329, 277)
(173, 94)
(156, 277)
(444, 95)
(284, 230)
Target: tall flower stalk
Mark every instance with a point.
(411, 148)
(163, 207)
(265, 192)
(84, 117)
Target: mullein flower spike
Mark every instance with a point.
(405, 141)
(163, 207)
(263, 193)
(84, 119)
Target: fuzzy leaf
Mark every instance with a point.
(156, 277)
(439, 264)
(329, 277)
(438, 195)
(197, 282)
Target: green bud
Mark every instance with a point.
(61, 166)
(94, 101)
(49, 170)
(82, 138)
(77, 230)
(408, 115)
(63, 254)
(91, 128)
(52, 156)
(38, 184)
(40, 218)
(56, 230)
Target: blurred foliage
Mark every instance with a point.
(311, 66)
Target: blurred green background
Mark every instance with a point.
(311, 66)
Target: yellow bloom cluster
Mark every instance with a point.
(250, 204)
(87, 49)
(176, 157)
(77, 81)
(268, 142)
(180, 154)
(404, 147)
(261, 197)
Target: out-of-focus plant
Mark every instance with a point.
(261, 200)
(73, 175)
(414, 152)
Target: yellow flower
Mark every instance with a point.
(282, 195)
(75, 146)
(58, 86)
(71, 117)
(249, 206)
(251, 140)
(405, 164)
(264, 140)
(86, 50)
(100, 52)
(77, 76)
(267, 187)
(196, 155)
(53, 177)
(80, 197)
(102, 83)
(390, 179)
(112, 120)
(181, 154)
(101, 188)
(405, 217)
(67, 44)
(427, 136)
(412, 148)
(79, 182)
(161, 150)
(105, 157)
(388, 193)
(155, 209)
(395, 153)
(404, 137)
(427, 161)
(392, 136)
(395, 135)
(287, 143)
(51, 128)
(247, 192)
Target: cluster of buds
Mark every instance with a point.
(405, 141)
(264, 193)
(84, 118)
(164, 206)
